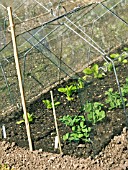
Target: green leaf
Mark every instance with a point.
(90, 116)
(125, 61)
(86, 135)
(66, 136)
(82, 118)
(67, 120)
(88, 71)
(30, 117)
(95, 68)
(125, 48)
(69, 98)
(89, 129)
(48, 104)
(110, 90)
(85, 130)
(82, 124)
(80, 83)
(101, 115)
(87, 107)
(19, 122)
(80, 136)
(73, 88)
(84, 77)
(63, 90)
(109, 66)
(78, 128)
(120, 59)
(97, 104)
(97, 112)
(99, 76)
(57, 103)
(68, 90)
(73, 138)
(113, 56)
(73, 128)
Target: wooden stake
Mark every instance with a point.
(12, 30)
(54, 114)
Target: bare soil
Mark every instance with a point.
(113, 157)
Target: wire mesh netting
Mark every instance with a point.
(55, 42)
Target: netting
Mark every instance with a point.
(56, 42)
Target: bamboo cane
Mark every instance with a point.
(12, 30)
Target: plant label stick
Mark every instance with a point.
(56, 142)
(4, 131)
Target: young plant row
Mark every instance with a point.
(95, 71)
(92, 113)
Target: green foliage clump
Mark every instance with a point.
(31, 118)
(68, 90)
(121, 58)
(93, 71)
(114, 100)
(108, 66)
(124, 89)
(48, 104)
(80, 83)
(80, 131)
(95, 112)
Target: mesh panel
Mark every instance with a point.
(57, 44)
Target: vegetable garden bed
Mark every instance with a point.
(89, 112)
